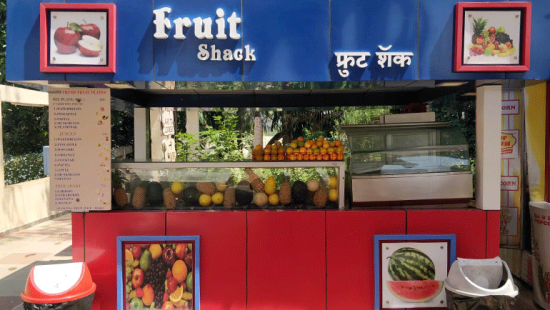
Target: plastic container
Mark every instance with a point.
(480, 284)
(59, 287)
(540, 234)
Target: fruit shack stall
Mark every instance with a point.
(293, 226)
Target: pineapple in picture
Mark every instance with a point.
(478, 27)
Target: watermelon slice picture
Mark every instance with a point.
(415, 291)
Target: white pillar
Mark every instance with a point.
(2, 185)
(192, 119)
(157, 153)
(140, 134)
(488, 122)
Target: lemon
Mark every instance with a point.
(205, 200)
(177, 294)
(155, 250)
(273, 199)
(177, 187)
(333, 182)
(333, 194)
(217, 198)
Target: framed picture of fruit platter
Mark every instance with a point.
(410, 270)
(77, 38)
(492, 37)
(158, 272)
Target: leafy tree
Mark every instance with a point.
(25, 129)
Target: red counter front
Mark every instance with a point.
(278, 259)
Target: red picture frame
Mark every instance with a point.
(476, 58)
(77, 38)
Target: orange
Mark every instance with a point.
(301, 139)
(333, 156)
(302, 150)
(267, 151)
(281, 150)
(274, 147)
(292, 157)
(316, 151)
(325, 157)
(330, 150)
(319, 157)
(280, 157)
(274, 157)
(323, 151)
(258, 147)
(177, 294)
(312, 157)
(179, 270)
(307, 145)
(320, 139)
(340, 156)
(267, 157)
(313, 147)
(300, 157)
(336, 143)
(332, 144)
(309, 151)
(326, 145)
(319, 143)
(306, 157)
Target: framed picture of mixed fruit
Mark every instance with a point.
(158, 272)
(410, 270)
(77, 38)
(492, 37)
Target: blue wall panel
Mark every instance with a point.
(177, 59)
(540, 43)
(356, 26)
(291, 40)
(134, 42)
(436, 43)
(294, 40)
(23, 42)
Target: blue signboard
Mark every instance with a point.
(280, 40)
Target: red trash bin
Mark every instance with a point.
(59, 287)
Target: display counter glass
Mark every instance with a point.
(228, 185)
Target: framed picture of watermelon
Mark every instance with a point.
(158, 272)
(492, 37)
(410, 270)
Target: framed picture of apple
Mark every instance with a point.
(158, 272)
(410, 270)
(492, 36)
(77, 38)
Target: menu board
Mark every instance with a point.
(80, 149)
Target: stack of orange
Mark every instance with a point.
(271, 152)
(319, 149)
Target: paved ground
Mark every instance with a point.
(46, 243)
(50, 243)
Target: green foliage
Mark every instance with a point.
(122, 128)
(25, 129)
(221, 142)
(23, 168)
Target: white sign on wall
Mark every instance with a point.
(80, 149)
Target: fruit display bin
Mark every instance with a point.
(228, 185)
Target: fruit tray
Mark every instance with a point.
(227, 185)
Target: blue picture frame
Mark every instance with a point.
(384, 244)
(121, 266)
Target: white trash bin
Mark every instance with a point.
(540, 237)
(480, 284)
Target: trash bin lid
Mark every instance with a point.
(481, 277)
(52, 284)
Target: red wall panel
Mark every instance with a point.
(101, 230)
(350, 254)
(77, 225)
(493, 233)
(222, 254)
(286, 260)
(469, 226)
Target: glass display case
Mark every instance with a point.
(408, 164)
(228, 185)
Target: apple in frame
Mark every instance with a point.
(66, 40)
(90, 29)
(90, 46)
